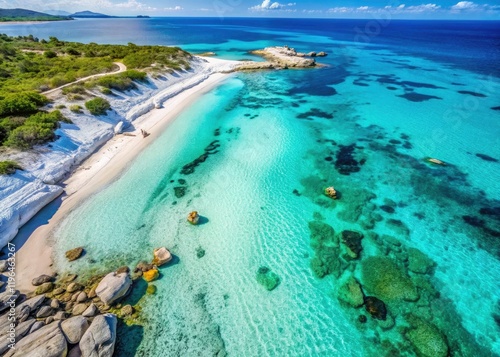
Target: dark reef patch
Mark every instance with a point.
(474, 94)
(315, 112)
(418, 97)
(211, 149)
(496, 108)
(387, 209)
(487, 158)
(345, 162)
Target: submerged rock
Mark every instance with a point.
(350, 292)
(435, 161)
(151, 275)
(99, 339)
(113, 287)
(375, 307)
(352, 242)
(193, 218)
(161, 256)
(74, 254)
(418, 262)
(267, 278)
(44, 288)
(426, 338)
(151, 289)
(180, 191)
(383, 278)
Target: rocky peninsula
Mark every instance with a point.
(282, 57)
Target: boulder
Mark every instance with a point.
(60, 315)
(7, 298)
(113, 287)
(123, 269)
(21, 330)
(74, 328)
(127, 310)
(44, 311)
(321, 54)
(350, 292)
(151, 275)
(75, 352)
(90, 311)
(331, 192)
(375, 307)
(78, 309)
(74, 254)
(41, 280)
(119, 128)
(4, 264)
(44, 288)
(311, 54)
(352, 243)
(82, 297)
(69, 278)
(36, 326)
(45, 342)
(435, 161)
(32, 304)
(418, 262)
(161, 256)
(58, 291)
(151, 289)
(74, 287)
(426, 338)
(49, 320)
(99, 339)
(193, 218)
(144, 266)
(54, 304)
(382, 277)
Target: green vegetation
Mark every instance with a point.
(76, 108)
(28, 15)
(121, 82)
(98, 106)
(9, 167)
(29, 66)
(24, 133)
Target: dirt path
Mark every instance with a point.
(122, 68)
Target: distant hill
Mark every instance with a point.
(57, 12)
(28, 15)
(90, 15)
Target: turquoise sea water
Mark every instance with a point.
(364, 124)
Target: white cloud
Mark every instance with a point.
(401, 9)
(464, 5)
(175, 8)
(268, 5)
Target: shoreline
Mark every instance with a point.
(101, 168)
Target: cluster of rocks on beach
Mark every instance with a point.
(68, 317)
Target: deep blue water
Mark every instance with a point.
(471, 45)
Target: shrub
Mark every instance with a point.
(72, 96)
(50, 54)
(21, 103)
(9, 167)
(36, 130)
(98, 106)
(76, 108)
(60, 106)
(122, 82)
(75, 89)
(72, 52)
(106, 91)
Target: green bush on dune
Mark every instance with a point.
(21, 103)
(9, 167)
(98, 106)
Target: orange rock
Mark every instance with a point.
(193, 218)
(161, 256)
(330, 192)
(151, 275)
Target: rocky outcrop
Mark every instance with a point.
(267, 278)
(99, 339)
(74, 254)
(161, 256)
(113, 287)
(193, 218)
(48, 341)
(285, 57)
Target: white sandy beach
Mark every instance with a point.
(34, 257)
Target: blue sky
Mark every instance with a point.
(407, 9)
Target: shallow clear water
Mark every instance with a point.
(284, 131)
